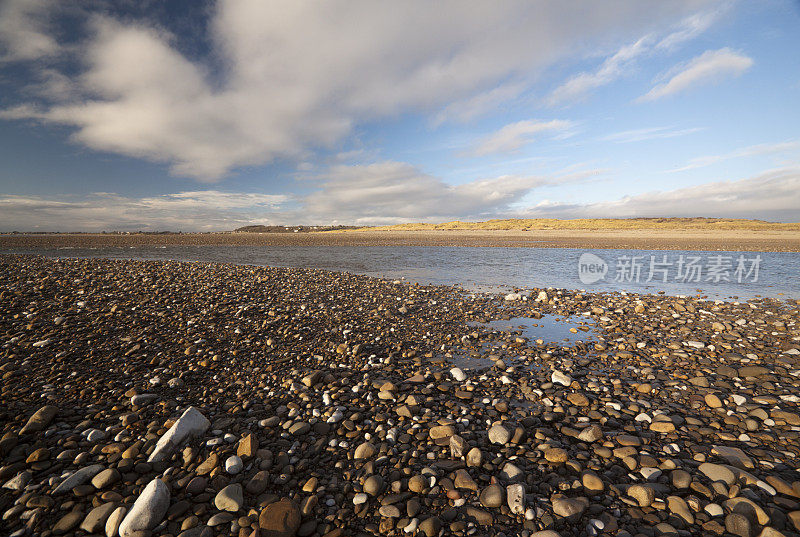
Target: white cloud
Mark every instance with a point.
(651, 133)
(623, 61)
(389, 192)
(300, 75)
(202, 210)
(749, 151)
(691, 27)
(24, 30)
(472, 107)
(711, 66)
(613, 67)
(772, 195)
(515, 135)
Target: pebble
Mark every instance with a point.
(365, 451)
(592, 482)
(515, 496)
(559, 377)
(148, 509)
(281, 518)
(570, 507)
(718, 472)
(492, 496)
(67, 522)
(230, 498)
(115, 521)
(499, 435)
(644, 494)
(373, 485)
(78, 478)
(430, 526)
(106, 478)
(191, 423)
(234, 464)
(458, 374)
(95, 521)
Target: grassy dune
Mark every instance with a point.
(519, 224)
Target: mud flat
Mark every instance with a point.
(195, 399)
(644, 239)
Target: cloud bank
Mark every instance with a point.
(395, 192)
(776, 193)
(788, 147)
(202, 210)
(378, 193)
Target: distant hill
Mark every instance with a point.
(522, 224)
(289, 229)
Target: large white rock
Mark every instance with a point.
(191, 423)
(148, 510)
(78, 478)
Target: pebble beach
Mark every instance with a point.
(195, 399)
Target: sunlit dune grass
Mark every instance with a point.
(697, 224)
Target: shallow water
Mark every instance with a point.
(548, 329)
(496, 269)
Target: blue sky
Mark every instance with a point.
(209, 116)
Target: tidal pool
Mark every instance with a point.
(548, 329)
(561, 330)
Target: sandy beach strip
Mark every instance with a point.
(722, 240)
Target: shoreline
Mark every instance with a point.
(328, 401)
(716, 240)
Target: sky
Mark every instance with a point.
(202, 116)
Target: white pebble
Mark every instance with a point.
(458, 374)
(234, 465)
(412, 526)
